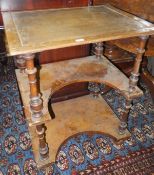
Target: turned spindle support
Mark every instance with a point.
(124, 117)
(43, 147)
(135, 73)
(20, 63)
(36, 105)
(133, 83)
(90, 2)
(99, 50)
(93, 87)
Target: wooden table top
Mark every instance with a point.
(40, 30)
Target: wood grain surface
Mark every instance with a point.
(36, 31)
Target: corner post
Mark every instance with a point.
(135, 73)
(36, 105)
(99, 50)
(20, 63)
(94, 87)
(124, 117)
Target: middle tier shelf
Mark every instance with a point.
(56, 75)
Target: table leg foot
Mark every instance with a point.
(36, 107)
(124, 117)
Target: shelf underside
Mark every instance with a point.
(73, 116)
(54, 76)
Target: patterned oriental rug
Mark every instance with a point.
(88, 153)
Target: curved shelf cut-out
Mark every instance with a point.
(54, 98)
(79, 114)
(56, 75)
(88, 69)
(76, 115)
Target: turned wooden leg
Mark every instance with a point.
(36, 105)
(135, 74)
(99, 50)
(43, 147)
(93, 87)
(124, 117)
(20, 63)
(90, 2)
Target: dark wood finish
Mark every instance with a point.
(63, 94)
(64, 54)
(19, 5)
(132, 43)
(15, 5)
(121, 58)
(141, 8)
(1, 21)
(2, 43)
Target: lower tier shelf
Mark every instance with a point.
(73, 116)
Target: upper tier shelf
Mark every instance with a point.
(39, 30)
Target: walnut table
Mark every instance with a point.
(30, 32)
